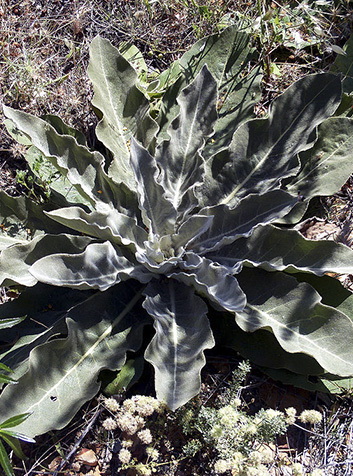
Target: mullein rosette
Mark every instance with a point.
(184, 214)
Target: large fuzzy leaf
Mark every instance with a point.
(260, 347)
(108, 225)
(189, 230)
(158, 212)
(228, 225)
(182, 334)
(16, 260)
(99, 266)
(263, 151)
(301, 323)
(83, 168)
(332, 292)
(213, 281)
(227, 56)
(179, 160)
(194, 225)
(327, 165)
(125, 109)
(276, 249)
(63, 129)
(101, 330)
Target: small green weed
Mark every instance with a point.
(11, 438)
(36, 182)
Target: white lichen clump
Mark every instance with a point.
(130, 419)
(124, 456)
(312, 417)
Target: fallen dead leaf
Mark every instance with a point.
(87, 456)
(53, 465)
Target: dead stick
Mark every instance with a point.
(77, 444)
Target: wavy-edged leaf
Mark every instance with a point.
(108, 225)
(158, 212)
(7, 241)
(16, 260)
(276, 249)
(301, 323)
(211, 280)
(182, 334)
(228, 225)
(189, 230)
(124, 107)
(260, 347)
(101, 330)
(179, 159)
(264, 151)
(99, 266)
(227, 56)
(328, 165)
(63, 129)
(83, 168)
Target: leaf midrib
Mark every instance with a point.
(90, 351)
(230, 196)
(116, 117)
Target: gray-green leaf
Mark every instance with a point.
(158, 212)
(16, 260)
(182, 334)
(263, 151)
(99, 266)
(101, 330)
(276, 249)
(213, 281)
(327, 165)
(294, 313)
(228, 225)
(179, 160)
(108, 224)
(124, 107)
